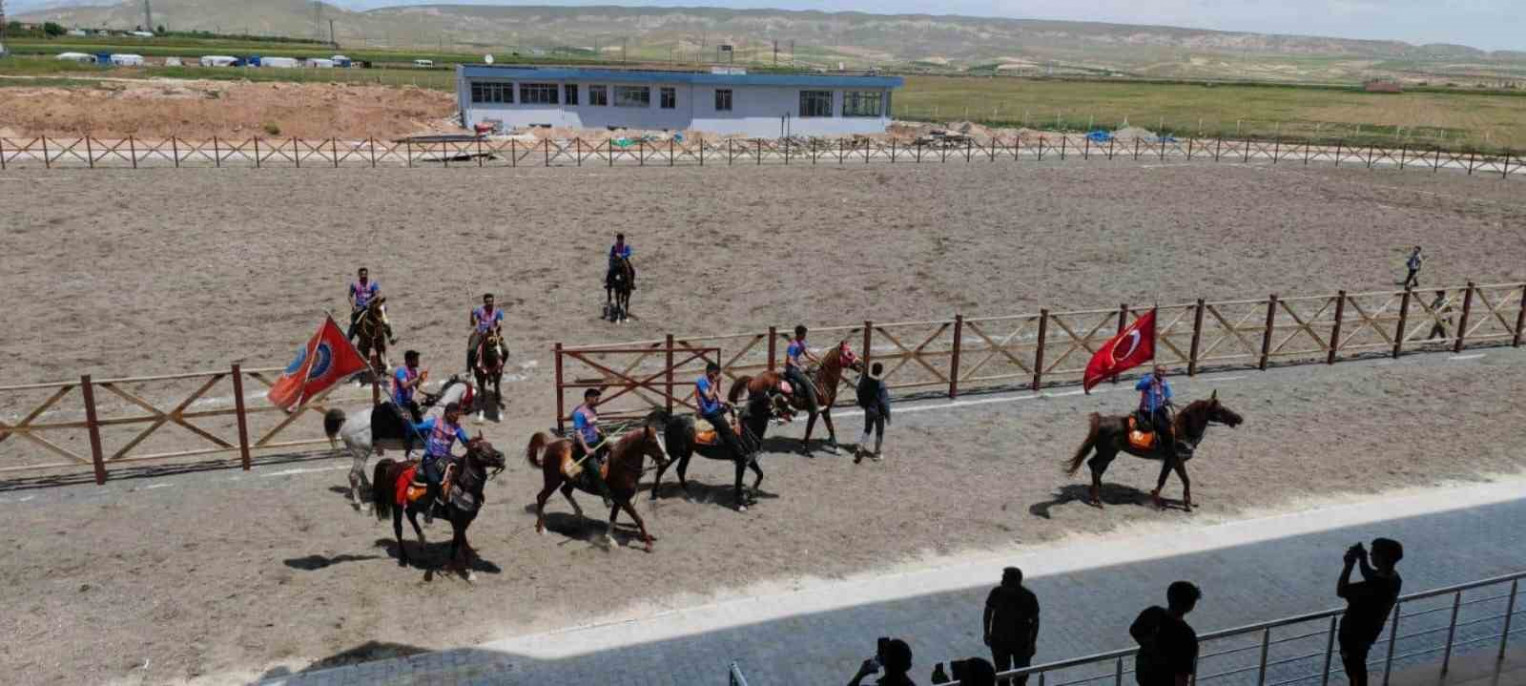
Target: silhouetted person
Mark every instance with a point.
(972, 672)
(1368, 602)
(1412, 280)
(1443, 318)
(1012, 625)
(1167, 644)
(875, 399)
(896, 665)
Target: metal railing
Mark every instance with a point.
(1446, 620)
(736, 677)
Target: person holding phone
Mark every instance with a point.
(894, 657)
(1368, 602)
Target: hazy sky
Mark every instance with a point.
(1487, 24)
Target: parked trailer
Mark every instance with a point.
(280, 62)
(127, 60)
(218, 60)
(82, 58)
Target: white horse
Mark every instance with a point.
(356, 431)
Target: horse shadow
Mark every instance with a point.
(590, 527)
(313, 563)
(717, 495)
(436, 552)
(369, 651)
(1112, 494)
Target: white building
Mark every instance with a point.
(759, 105)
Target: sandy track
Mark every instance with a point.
(210, 578)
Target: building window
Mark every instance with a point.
(598, 95)
(815, 103)
(669, 98)
(863, 103)
(493, 92)
(723, 99)
(537, 93)
(633, 96)
(571, 92)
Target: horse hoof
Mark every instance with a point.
(741, 508)
(402, 562)
(471, 577)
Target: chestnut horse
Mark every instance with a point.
(625, 462)
(487, 364)
(1110, 435)
(462, 501)
(371, 336)
(826, 378)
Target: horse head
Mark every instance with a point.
(1219, 414)
(483, 452)
(847, 359)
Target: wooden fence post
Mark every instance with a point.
(47, 162)
(217, 154)
(868, 343)
(1462, 323)
(408, 150)
(1197, 337)
(334, 151)
(296, 152)
(1520, 320)
(669, 374)
(2, 154)
(1338, 152)
(1063, 138)
(132, 150)
(773, 346)
(1335, 331)
(257, 153)
(1403, 319)
(953, 365)
(174, 150)
(561, 426)
(89, 153)
(1038, 352)
(243, 417)
(1266, 338)
(93, 424)
(371, 146)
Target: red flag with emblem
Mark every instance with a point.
(1132, 347)
(326, 359)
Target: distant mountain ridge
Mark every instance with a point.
(819, 38)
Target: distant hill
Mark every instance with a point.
(822, 39)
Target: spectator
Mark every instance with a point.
(1012, 625)
(1412, 280)
(1367, 603)
(1441, 311)
(1167, 644)
(875, 400)
(972, 672)
(896, 661)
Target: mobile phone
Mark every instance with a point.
(879, 650)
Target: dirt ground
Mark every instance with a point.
(198, 110)
(222, 576)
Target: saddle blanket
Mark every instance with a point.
(1140, 440)
(410, 490)
(704, 432)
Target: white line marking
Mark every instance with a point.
(18, 500)
(308, 470)
(1455, 358)
(151, 487)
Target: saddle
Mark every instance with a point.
(1141, 435)
(389, 422)
(573, 471)
(705, 434)
(411, 486)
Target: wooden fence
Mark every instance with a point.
(1049, 347)
(102, 423)
(256, 152)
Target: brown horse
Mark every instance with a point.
(1109, 436)
(371, 336)
(624, 464)
(617, 290)
(463, 499)
(487, 361)
(826, 377)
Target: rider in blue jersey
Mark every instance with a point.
(590, 441)
(485, 319)
(362, 291)
(622, 250)
(796, 356)
(440, 434)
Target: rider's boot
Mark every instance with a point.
(597, 479)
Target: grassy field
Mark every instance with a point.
(1451, 119)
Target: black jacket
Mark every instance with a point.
(873, 396)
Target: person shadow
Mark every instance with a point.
(1112, 494)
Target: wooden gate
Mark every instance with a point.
(635, 378)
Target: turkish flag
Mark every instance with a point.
(1132, 347)
(327, 359)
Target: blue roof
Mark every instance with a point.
(484, 71)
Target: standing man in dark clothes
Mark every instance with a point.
(1413, 264)
(875, 399)
(1167, 644)
(1012, 625)
(1368, 602)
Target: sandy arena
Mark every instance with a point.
(223, 576)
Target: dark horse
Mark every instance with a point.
(487, 360)
(371, 336)
(624, 464)
(462, 501)
(826, 377)
(617, 290)
(1109, 435)
(679, 438)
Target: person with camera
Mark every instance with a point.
(974, 671)
(1167, 643)
(1368, 602)
(1012, 625)
(894, 657)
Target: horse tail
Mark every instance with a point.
(1086, 445)
(332, 421)
(532, 451)
(737, 388)
(382, 489)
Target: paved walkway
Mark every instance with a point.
(817, 633)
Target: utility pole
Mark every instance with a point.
(148, 17)
(332, 40)
(776, 52)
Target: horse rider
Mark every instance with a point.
(1154, 399)
(795, 357)
(622, 250)
(405, 382)
(440, 434)
(707, 389)
(362, 291)
(485, 319)
(588, 437)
